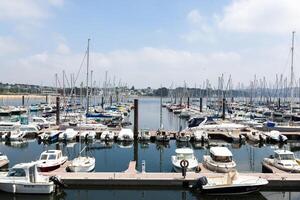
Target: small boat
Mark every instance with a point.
(184, 154)
(4, 159)
(219, 160)
(162, 136)
(24, 178)
(125, 135)
(183, 137)
(144, 135)
(69, 134)
(107, 135)
(82, 164)
(229, 183)
(200, 136)
(51, 160)
(87, 135)
(275, 136)
(255, 136)
(284, 160)
(15, 135)
(51, 136)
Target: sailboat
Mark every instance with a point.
(83, 163)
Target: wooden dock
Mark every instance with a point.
(131, 178)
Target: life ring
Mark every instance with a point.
(184, 163)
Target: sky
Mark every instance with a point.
(148, 43)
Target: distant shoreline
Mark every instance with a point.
(17, 96)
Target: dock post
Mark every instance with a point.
(23, 100)
(223, 109)
(102, 102)
(110, 100)
(136, 119)
(57, 110)
(200, 104)
(188, 102)
(279, 103)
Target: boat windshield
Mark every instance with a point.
(16, 172)
(221, 158)
(287, 157)
(52, 157)
(184, 156)
(44, 157)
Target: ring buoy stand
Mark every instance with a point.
(184, 164)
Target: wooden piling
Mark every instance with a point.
(102, 102)
(200, 104)
(23, 100)
(136, 119)
(57, 110)
(188, 102)
(223, 108)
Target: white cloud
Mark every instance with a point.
(194, 17)
(9, 45)
(262, 16)
(63, 49)
(58, 3)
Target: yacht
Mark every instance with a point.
(82, 164)
(69, 134)
(162, 136)
(219, 160)
(255, 136)
(87, 135)
(51, 160)
(144, 135)
(50, 136)
(183, 137)
(184, 154)
(200, 136)
(107, 135)
(125, 135)
(24, 178)
(229, 183)
(283, 160)
(15, 135)
(275, 136)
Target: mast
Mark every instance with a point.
(87, 77)
(292, 70)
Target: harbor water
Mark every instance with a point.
(112, 157)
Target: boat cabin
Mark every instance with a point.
(51, 155)
(220, 154)
(184, 154)
(25, 170)
(284, 155)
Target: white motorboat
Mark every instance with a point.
(184, 154)
(219, 160)
(51, 160)
(107, 135)
(15, 135)
(87, 135)
(200, 136)
(284, 160)
(24, 178)
(125, 135)
(183, 137)
(275, 136)
(144, 135)
(230, 183)
(255, 136)
(41, 122)
(69, 134)
(162, 136)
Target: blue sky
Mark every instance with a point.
(148, 43)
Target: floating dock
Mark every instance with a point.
(131, 178)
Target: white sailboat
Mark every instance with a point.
(83, 163)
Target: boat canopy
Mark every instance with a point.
(220, 151)
(283, 152)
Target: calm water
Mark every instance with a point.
(115, 157)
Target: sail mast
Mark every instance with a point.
(292, 70)
(87, 77)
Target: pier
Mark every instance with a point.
(131, 178)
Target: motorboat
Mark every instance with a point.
(107, 135)
(51, 136)
(41, 122)
(15, 135)
(219, 160)
(144, 135)
(125, 134)
(229, 183)
(51, 160)
(200, 136)
(184, 154)
(255, 136)
(24, 178)
(183, 137)
(275, 136)
(69, 134)
(284, 160)
(87, 135)
(3, 158)
(162, 136)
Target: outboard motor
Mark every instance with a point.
(57, 182)
(200, 183)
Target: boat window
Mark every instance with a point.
(184, 156)
(17, 172)
(221, 158)
(287, 157)
(52, 157)
(276, 156)
(43, 157)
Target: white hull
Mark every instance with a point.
(82, 164)
(270, 161)
(27, 188)
(218, 167)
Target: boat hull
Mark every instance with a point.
(27, 188)
(231, 189)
